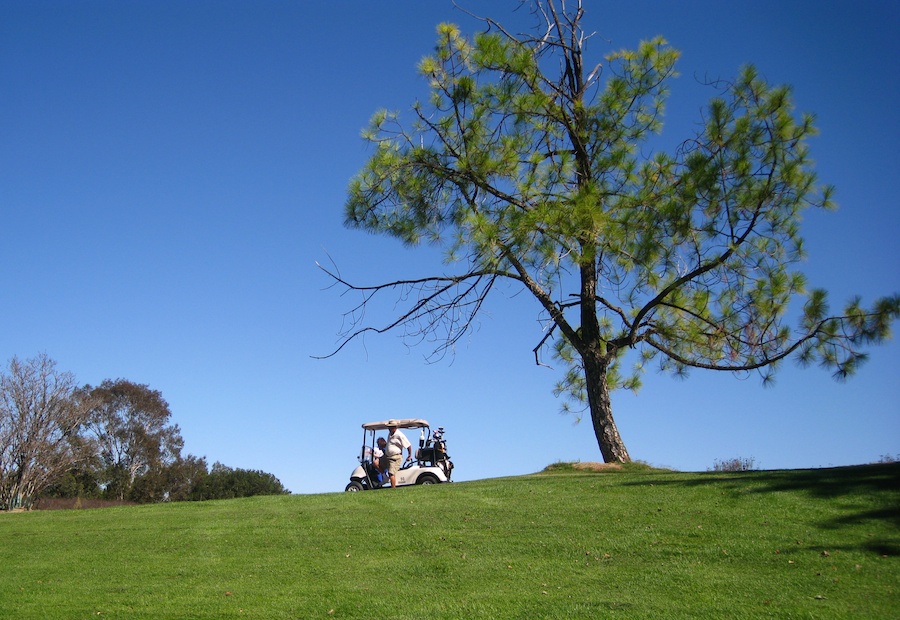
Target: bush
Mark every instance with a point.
(736, 464)
(75, 484)
(227, 483)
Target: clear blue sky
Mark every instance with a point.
(170, 172)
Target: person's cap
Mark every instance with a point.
(393, 424)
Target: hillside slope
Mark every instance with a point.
(577, 544)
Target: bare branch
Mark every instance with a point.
(440, 308)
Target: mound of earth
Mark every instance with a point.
(594, 466)
(586, 466)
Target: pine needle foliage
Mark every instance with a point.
(532, 164)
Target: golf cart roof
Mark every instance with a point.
(407, 423)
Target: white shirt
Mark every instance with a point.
(397, 443)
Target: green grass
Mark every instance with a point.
(636, 543)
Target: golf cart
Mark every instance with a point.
(432, 464)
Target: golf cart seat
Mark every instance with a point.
(375, 477)
(431, 456)
(428, 456)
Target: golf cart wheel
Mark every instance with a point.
(354, 486)
(427, 479)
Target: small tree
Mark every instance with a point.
(530, 163)
(173, 482)
(130, 425)
(183, 476)
(40, 415)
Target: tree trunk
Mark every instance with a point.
(611, 445)
(596, 362)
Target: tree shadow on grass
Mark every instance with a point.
(878, 485)
(834, 482)
(827, 483)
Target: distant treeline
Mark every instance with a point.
(188, 480)
(112, 442)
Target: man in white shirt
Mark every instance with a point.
(396, 443)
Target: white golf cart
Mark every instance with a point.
(432, 464)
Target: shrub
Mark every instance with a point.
(737, 464)
(227, 483)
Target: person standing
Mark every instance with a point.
(396, 443)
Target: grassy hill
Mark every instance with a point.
(566, 543)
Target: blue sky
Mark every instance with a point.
(170, 172)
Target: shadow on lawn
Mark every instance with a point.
(831, 483)
(879, 483)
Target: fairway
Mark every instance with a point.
(637, 543)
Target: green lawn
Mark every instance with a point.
(568, 544)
